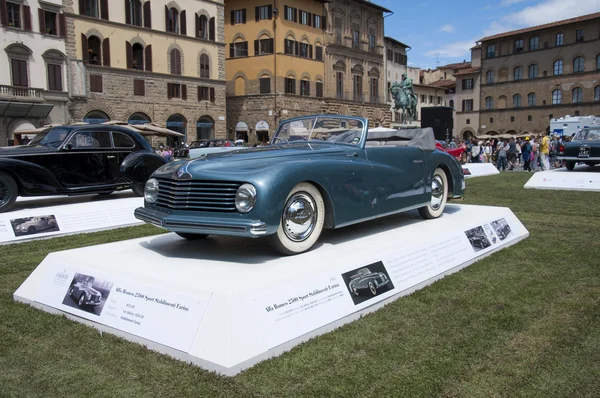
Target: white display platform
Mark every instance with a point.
(225, 304)
(50, 216)
(479, 169)
(583, 178)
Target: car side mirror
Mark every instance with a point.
(68, 147)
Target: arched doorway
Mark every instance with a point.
(467, 134)
(205, 128)
(15, 131)
(262, 131)
(177, 123)
(241, 131)
(139, 118)
(96, 117)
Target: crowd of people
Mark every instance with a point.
(507, 153)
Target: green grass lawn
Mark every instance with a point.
(523, 322)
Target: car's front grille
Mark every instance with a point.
(197, 195)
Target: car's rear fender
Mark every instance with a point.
(32, 179)
(453, 171)
(139, 166)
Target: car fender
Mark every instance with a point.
(453, 171)
(32, 179)
(139, 166)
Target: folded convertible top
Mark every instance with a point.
(420, 138)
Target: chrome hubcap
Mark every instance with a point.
(3, 193)
(299, 217)
(437, 192)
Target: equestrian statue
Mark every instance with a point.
(405, 98)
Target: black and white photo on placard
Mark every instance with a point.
(34, 225)
(478, 239)
(501, 228)
(367, 282)
(87, 293)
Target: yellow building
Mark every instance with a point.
(274, 62)
(143, 61)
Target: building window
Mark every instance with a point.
(339, 27)
(579, 35)
(423, 99)
(135, 12)
(556, 97)
(204, 66)
(374, 90)
(467, 84)
(319, 53)
(93, 49)
(290, 14)
(305, 87)
(202, 32)
(597, 94)
(173, 20)
(356, 36)
(305, 50)
(239, 49)
(533, 71)
(263, 46)
(317, 21)
(467, 105)
(512, 118)
(319, 89)
(517, 101)
(304, 18)
(491, 51)
(339, 84)
(558, 67)
(49, 26)
(598, 62)
(203, 93)
(357, 87)
(468, 121)
(489, 103)
(290, 47)
(559, 39)
(489, 77)
(54, 77)
(531, 99)
(265, 85)
(175, 62)
(578, 65)
(577, 96)
(451, 104)
(518, 73)
(139, 87)
(96, 83)
(290, 85)
(263, 13)
(174, 90)
(518, 45)
(372, 41)
(534, 43)
(491, 120)
(238, 17)
(90, 8)
(19, 72)
(529, 118)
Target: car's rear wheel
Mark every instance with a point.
(301, 221)
(8, 192)
(439, 196)
(570, 166)
(188, 236)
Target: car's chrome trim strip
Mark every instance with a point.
(383, 215)
(580, 159)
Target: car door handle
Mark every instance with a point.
(354, 154)
(112, 156)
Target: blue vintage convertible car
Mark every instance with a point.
(322, 171)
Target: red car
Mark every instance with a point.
(459, 153)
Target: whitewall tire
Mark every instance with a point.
(439, 196)
(301, 221)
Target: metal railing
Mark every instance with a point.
(22, 92)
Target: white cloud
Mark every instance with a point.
(447, 28)
(508, 3)
(456, 49)
(550, 11)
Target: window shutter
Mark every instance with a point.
(257, 13)
(166, 19)
(84, 48)
(169, 90)
(147, 15)
(297, 45)
(270, 11)
(212, 94)
(81, 7)
(148, 54)
(309, 19)
(128, 12)
(271, 46)
(106, 52)
(256, 47)
(244, 15)
(3, 13)
(58, 77)
(324, 22)
(295, 15)
(197, 18)
(178, 63)
(233, 17)
(129, 55)
(183, 23)
(27, 18)
(310, 51)
(231, 50)
(104, 9)
(285, 11)
(62, 25)
(211, 29)
(184, 92)
(246, 47)
(42, 20)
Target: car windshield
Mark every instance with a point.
(51, 137)
(337, 130)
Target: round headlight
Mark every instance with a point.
(151, 191)
(245, 198)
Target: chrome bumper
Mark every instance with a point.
(201, 225)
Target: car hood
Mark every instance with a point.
(252, 158)
(12, 151)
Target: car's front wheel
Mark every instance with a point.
(81, 300)
(301, 222)
(373, 288)
(8, 192)
(31, 230)
(570, 166)
(188, 236)
(439, 196)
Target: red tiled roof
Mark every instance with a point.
(446, 83)
(544, 26)
(459, 65)
(468, 71)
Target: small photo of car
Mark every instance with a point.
(367, 282)
(478, 239)
(34, 225)
(502, 228)
(87, 293)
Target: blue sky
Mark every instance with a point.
(441, 32)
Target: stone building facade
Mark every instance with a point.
(532, 75)
(138, 62)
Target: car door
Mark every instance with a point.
(123, 145)
(88, 159)
(400, 175)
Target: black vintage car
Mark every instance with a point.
(584, 148)
(76, 160)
